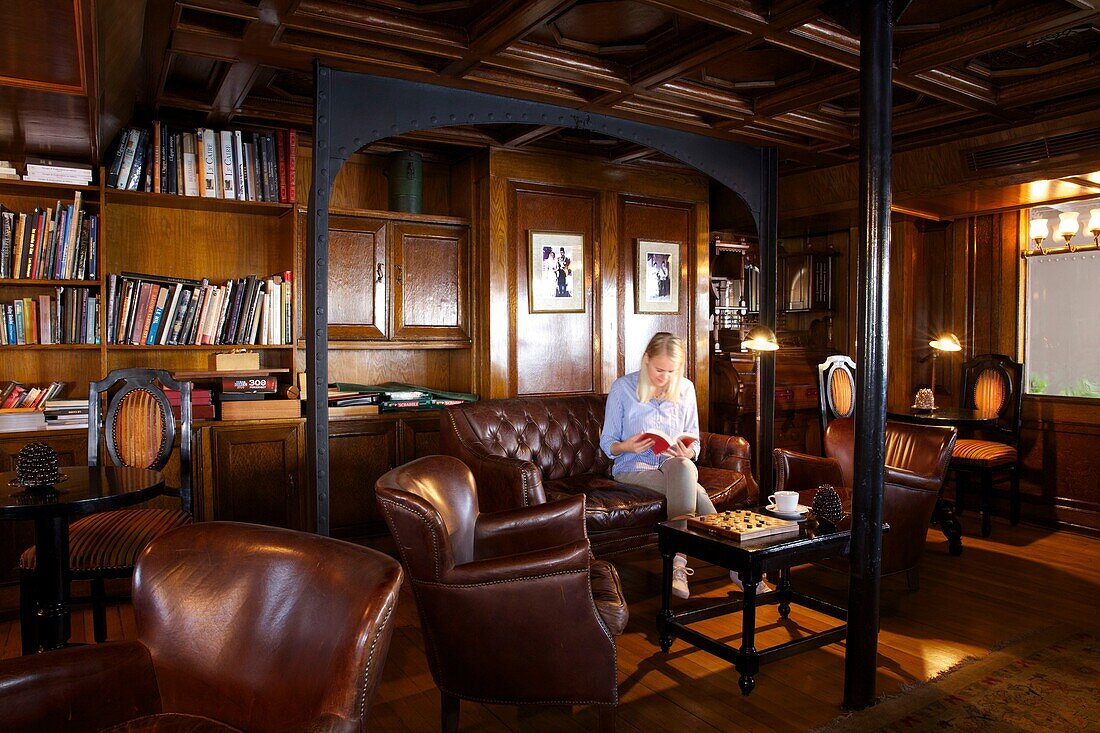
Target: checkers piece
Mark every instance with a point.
(742, 524)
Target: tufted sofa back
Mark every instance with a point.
(560, 435)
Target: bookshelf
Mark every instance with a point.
(254, 470)
(37, 364)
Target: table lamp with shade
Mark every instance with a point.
(947, 342)
(758, 340)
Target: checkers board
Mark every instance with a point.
(742, 524)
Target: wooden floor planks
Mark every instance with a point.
(1020, 579)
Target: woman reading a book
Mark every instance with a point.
(643, 410)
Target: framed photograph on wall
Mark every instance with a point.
(657, 277)
(555, 272)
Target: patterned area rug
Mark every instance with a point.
(1045, 682)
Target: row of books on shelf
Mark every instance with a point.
(70, 316)
(61, 243)
(16, 395)
(45, 170)
(224, 164)
(154, 310)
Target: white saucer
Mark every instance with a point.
(798, 513)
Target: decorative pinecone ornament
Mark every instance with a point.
(827, 505)
(37, 466)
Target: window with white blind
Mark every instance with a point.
(1062, 339)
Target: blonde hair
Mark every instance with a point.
(662, 344)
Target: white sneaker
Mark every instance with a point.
(761, 587)
(680, 575)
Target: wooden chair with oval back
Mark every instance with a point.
(836, 388)
(991, 384)
(139, 430)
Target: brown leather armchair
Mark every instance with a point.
(512, 606)
(239, 628)
(916, 463)
(526, 451)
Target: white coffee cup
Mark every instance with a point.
(784, 501)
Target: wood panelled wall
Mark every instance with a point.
(613, 206)
(965, 277)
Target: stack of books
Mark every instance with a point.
(63, 414)
(225, 164)
(344, 403)
(255, 398)
(202, 403)
(21, 418)
(415, 400)
(7, 171)
(45, 170)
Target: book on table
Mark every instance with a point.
(662, 441)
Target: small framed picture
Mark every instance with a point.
(555, 272)
(657, 277)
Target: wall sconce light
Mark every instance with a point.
(1068, 226)
(1038, 230)
(1094, 225)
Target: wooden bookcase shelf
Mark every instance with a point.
(196, 203)
(12, 282)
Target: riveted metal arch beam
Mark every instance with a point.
(354, 110)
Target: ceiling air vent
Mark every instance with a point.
(1034, 153)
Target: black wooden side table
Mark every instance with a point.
(751, 559)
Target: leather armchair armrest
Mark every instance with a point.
(798, 471)
(725, 451)
(530, 528)
(82, 688)
(912, 480)
(505, 483)
(572, 557)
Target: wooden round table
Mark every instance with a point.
(957, 416)
(86, 490)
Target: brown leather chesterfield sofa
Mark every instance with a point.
(916, 463)
(530, 450)
(239, 628)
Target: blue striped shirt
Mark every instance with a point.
(625, 417)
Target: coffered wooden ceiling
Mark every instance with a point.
(778, 72)
(774, 72)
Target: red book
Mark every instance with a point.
(139, 313)
(292, 165)
(154, 292)
(280, 162)
(198, 397)
(662, 440)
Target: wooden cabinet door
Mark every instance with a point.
(430, 282)
(357, 279)
(359, 452)
(419, 438)
(258, 475)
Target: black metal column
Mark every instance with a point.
(876, 101)
(316, 321)
(765, 366)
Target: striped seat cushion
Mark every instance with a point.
(113, 540)
(982, 453)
